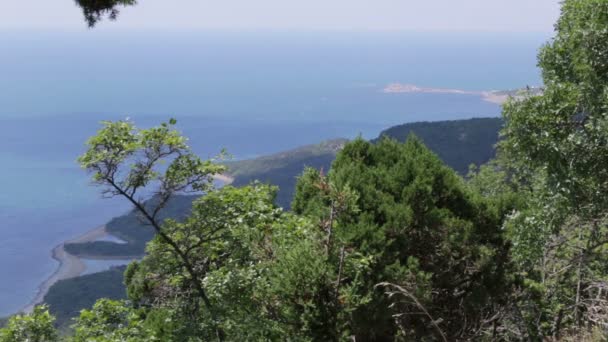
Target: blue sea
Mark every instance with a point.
(252, 93)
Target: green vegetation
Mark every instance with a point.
(282, 169)
(557, 147)
(429, 222)
(390, 244)
(68, 297)
(312, 274)
(458, 143)
(35, 327)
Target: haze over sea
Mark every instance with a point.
(252, 93)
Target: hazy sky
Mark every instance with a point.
(478, 15)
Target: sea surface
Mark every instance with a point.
(252, 93)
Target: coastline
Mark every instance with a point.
(492, 96)
(224, 178)
(495, 98)
(70, 266)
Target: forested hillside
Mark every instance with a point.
(281, 169)
(458, 143)
(72, 295)
(131, 229)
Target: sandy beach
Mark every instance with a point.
(497, 97)
(224, 178)
(493, 97)
(70, 266)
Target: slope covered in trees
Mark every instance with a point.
(72, 295)
(281, 169)
(131, 229)
(458, 143)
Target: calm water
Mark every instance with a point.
(252, 93)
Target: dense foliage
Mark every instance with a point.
(315, 274)
(281, 170)
(458, 143)
(34, 327)
(390, 244)
(70, 296)
(557, 147)
(430, 235)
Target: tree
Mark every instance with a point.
(34, 327)
(111, 321)
(270, 274)
(224, 238)
(565, 130)
(420, 228)
(558, 144)
(126, 161)
(95, 10)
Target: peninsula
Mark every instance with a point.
(493, 96)
(70, 266)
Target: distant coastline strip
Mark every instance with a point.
(70, 266)
(224, 178)
(493, 96)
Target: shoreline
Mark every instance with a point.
(491, 96)
(70, 266)
(224, 178)
(495, 98)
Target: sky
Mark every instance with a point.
(414, 15)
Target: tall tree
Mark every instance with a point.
(558, 144)
(132, 163)
(422, 230)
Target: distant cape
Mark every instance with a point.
(493, 96)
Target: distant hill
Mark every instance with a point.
(131, 229)
(458, 143)
(281, 169)
(69, 296)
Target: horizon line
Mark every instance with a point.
(107, 29)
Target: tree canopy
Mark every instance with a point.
(556, 144)
(96, 10)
